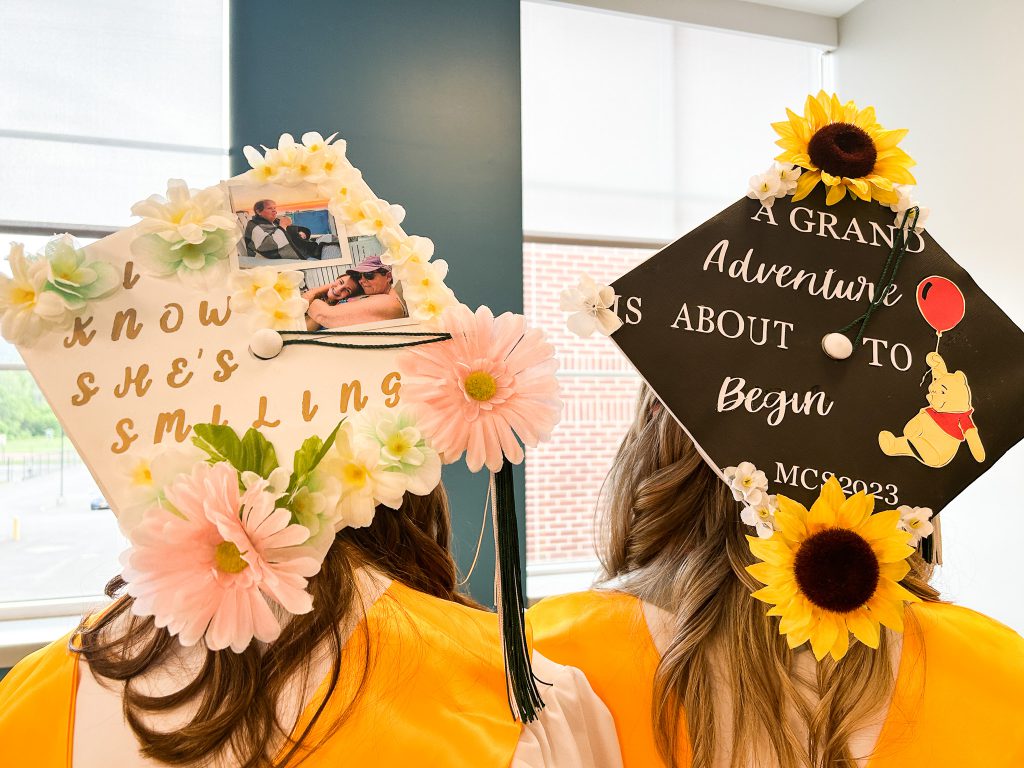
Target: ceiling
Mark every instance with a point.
(833, 8)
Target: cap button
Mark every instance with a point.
(837, 346)
(266, 344)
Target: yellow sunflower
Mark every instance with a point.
(846, 149)
(833, 570)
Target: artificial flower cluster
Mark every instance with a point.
(778, 181)
(833, 570)
(223, 538)
(749, 485)
(187, 234)
(917, 522)
(830, 571)
(844, 148)
(272, 299)
(48, 291)
(319, 161)
(316, 160)
(592, 306)
(489, 388)
(904, 202)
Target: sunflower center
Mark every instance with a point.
(837, 570)
(480, 386)
(228, 558)
(843, 149)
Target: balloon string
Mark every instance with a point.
(887, 279)
(938, 338)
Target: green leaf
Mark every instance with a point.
(305, 461)
(218, 441)
(308, 457)
(258, 454)
(253, 453)
(327, 444)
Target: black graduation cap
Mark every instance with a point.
(727, 325)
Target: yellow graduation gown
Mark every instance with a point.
(434, 694)
(958, 699)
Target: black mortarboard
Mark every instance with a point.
(730, 336)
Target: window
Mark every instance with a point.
(91, 121)
(634, 131)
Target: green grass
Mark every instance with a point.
(34, 445)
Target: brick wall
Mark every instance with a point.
(599, 387)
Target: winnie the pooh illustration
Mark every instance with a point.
(934, 435)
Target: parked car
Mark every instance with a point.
(99, 503)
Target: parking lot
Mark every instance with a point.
(52, 547)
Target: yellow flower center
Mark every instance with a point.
(20, 296)
(764, 513)
(228, 558)
(914, 523)
(398, 445)
(354, 475)
(480, 386)
(141, 474)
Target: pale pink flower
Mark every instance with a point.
(492, 383)
(208, 570)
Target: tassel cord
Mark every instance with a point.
(323, 339)
(888, 276)
(524, 697)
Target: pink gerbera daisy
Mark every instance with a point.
(493, 382)
(208, 570)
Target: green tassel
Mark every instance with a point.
(524, 697)
(928, 549)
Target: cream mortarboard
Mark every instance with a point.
(232, 436)
(817, 343)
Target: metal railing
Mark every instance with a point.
(16, 467)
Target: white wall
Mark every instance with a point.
(951, 72)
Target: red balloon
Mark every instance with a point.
(941, 303)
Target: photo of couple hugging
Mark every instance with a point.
(365, 293)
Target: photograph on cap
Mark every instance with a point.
(293, 227)
(365, 294)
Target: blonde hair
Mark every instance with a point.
(673, 535)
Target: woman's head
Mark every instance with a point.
(236, 694)
(345, 287)
(672, 533)
(661, 502)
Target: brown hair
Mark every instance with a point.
(672, 533)
(237, 693)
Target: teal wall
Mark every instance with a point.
(427, 95)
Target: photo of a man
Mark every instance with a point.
(366, 293)
(264, 235)
(292, 227)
